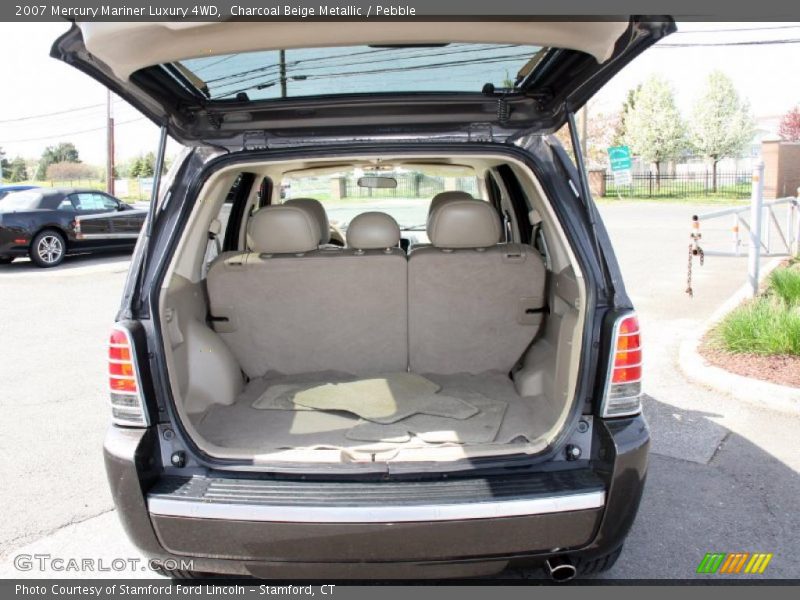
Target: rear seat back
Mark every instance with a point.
(474, 304)
(291, 307)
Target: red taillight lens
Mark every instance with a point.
(122, 353)
(126, 403)
(624, 386)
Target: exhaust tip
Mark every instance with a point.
(560, 569)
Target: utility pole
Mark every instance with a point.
(282, 54)
(109, 145)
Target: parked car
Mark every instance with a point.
(5, 190)
(46, 224)
(285, 407)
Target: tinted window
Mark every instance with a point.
(85, 201)
(65, 204)
(360, 69)
(21, 201)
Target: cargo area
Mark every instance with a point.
(326, 311)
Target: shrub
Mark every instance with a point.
(763, 326)
(785, 284)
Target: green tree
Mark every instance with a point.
(654, 128)
(5, 166)
(17, 170)
(135, 167)
(64, 152)
(721, 123)
(148, 165)
(627, 106)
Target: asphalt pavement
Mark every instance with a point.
(723, 474)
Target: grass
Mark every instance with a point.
(785, 284)
(769, 324)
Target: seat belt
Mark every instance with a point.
(507, 226)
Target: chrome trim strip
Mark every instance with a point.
(107, 236)
(158, 505)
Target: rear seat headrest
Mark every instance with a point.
(316, 209)
(464, 224)
(443, 198)
(373, 231)
(282, 229)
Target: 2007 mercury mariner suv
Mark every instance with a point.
(373, 326)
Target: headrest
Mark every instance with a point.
(282, 229)
(443, 198)
(464, 224)
(318, 212)
(373, 230)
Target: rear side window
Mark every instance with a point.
(85, 201)
(22, 201)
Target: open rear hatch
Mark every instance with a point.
(223, 83)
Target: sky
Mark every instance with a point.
(35, 84)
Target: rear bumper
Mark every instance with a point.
(13, 243)
(221, 537)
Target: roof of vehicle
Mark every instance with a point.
(16, 187)
(70, 190)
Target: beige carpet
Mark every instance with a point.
(386, 398)
(243, 427)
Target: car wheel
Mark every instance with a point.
(48, 248)
(6, 260)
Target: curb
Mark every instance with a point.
(777, 397)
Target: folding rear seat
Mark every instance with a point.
(286, 306)
(474, 304)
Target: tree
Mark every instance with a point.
(5, 166)
(600, 134)
(721, 122)
(789, 128)
(654, 128)
(148, 165)
(627, 106)
(17, 170)
(69, 171)
(64, 152)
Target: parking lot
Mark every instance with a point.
(723, 474)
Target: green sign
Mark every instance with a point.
(620, 158)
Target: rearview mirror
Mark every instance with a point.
(377, 182)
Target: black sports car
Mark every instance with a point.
(49, 223)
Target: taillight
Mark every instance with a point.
(127, 407)
(624, 384)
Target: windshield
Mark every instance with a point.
(20, 201)
(344, 193)
(355, 69)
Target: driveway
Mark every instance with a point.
(723, 475)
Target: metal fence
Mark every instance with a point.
(733, 185)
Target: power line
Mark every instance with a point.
(435, 65)
(689, 31)
(718, 44)
(63, 135)
(324, 62)
(60, 112)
